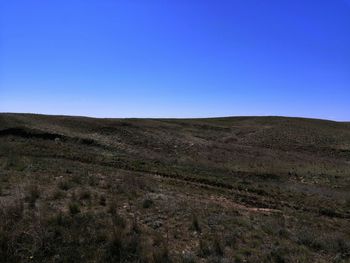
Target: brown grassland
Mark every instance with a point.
(243, 189)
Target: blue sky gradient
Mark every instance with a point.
(176, 58)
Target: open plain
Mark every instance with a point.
(240, 189)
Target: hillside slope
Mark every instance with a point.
(208, 190)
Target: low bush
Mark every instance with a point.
(102, 200)
(204, 248)
(33, 194)
(217, 246)
(147, 203)
(64, 185)
(84, 194)
(74, 208)
(195, 224)
(161, 255)
(188, 257)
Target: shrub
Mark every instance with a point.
(76, 179)
(310, 239)
(117, 219)
(133, 183)
(147, 203)
(115, 246)
(188, 257)
(330, 212)
(195, 223)
(124, 245)
(11, 216)
(211, 246)
(85, 194)
(161, 255)
(278, 255)
(58, 194)
(32, 195)
(204, 248)
(337, 243)
(92, 180)
(14, 162)
(102, 200)
(347, 202)
(217, 246)
(231, 238)
(64, 185)
(74, 208)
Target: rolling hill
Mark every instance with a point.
(235, 189)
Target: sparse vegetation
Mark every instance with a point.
(211, 190)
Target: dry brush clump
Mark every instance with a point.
(28, 235)
(129, 242)
(195, 225)
(32, 195)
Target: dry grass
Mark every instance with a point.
(215, 190)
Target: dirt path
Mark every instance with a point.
(219, 199)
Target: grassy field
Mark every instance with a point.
(244, 189)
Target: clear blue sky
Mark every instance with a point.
(176, 58)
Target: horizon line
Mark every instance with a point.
(178, 118)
